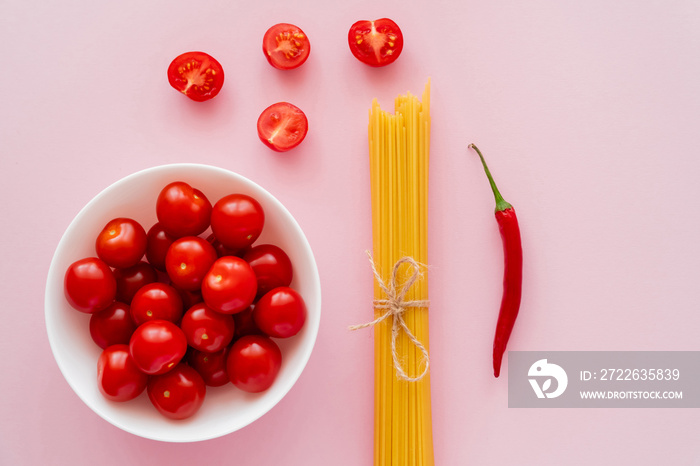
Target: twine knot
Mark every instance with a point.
(395, 305)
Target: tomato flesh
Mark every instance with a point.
(286, 46)
(376, 43)
(282, 126)
(197, 75)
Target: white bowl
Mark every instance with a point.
(225, 409)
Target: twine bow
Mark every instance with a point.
(395, 305)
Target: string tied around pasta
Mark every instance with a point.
(395, 305)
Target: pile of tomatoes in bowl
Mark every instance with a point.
(192, 295)
(194, 302)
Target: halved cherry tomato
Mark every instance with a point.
(89, 285)
(211, 366)
(271, 265)
(197, 75)
(132, 279)
(253, 363)
(286, 46)
(282, 126)
(188, 260)
(376, 43)
(183, 210)
(112, 326)
(157, 346)
(281, 313)
(207, 330)
(118, 377)
(229, 286)
(237, 220)
(121, 243)
(178, 394)
(156, 301)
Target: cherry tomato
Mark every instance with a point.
(183, 210)
(229, 286)
(207, 330)
(253, 363)
(282, 126)
(237, 220)
(189, 298)
(157, 246)
(132, 279)
(281, 313)
(222, 250)
(157, 346)
(156, 301)
(179, 393)
(376, 43)
(271, 265)
(211, 366)
(89, 285)
(245, 325)
(112, 326)
(286, 46)
(188, 260)
(197, 75)
(118, 378)
(121, 243)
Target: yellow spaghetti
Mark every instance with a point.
(398, 154)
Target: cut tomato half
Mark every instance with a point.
(197, 75)
(282, 126)
(376, 43)
(286, 46)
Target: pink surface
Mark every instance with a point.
(587, 112)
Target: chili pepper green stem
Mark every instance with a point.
(501, 204)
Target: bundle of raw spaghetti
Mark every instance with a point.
(399, 153)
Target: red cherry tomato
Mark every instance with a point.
(207, 330)
(282, 126)
(156, 301)
(157, 247)
(183, 210)
(132, 279)
(112, 326)
(376, 43)
(89, 285)
(222, 250)
(211, 366)
(245, 325)
(281, 313)
(118, 378)
(189, 298)
(188, 260)
(286, 46)
(121, 243)
(237, 220)
(178, 394)
(229, 286)
(197, 75)
(157, 346)
(271, 265)
(253, 363)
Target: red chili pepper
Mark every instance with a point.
(512, 273)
